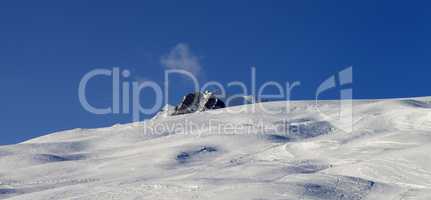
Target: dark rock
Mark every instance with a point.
(214, 103)
(198, 101)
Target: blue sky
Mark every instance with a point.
(47, 46)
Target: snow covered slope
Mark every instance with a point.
(387, 156)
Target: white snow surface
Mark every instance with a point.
(387, 156)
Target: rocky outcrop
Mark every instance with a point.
(197, 102)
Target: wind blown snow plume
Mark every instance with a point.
(180, 57)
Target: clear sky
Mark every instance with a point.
(47, 46)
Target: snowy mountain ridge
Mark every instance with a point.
(295, 154)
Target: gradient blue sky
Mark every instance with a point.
(47, 46)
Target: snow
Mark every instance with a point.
(387, 156)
